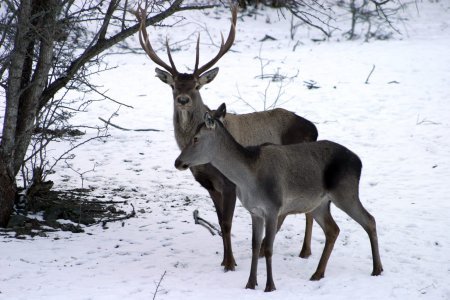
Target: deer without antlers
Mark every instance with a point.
(277, 126)
(276, 180)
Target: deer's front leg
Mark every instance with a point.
(257, 231)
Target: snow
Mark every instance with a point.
(398, 124)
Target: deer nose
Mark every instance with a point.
(183, 100)
(180, 165)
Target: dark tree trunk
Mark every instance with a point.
(7, 194)
(17, 64)
(34, 39)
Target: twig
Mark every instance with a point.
(126, 129)
(425, 122)
(239, 97)
(311, 84)
(206, 224)
(296, 45)
(268, 37)
(126, 217)
(107, 202)
(370, 74)
(159, 284)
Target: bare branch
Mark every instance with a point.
(126, 129)
(370, 74)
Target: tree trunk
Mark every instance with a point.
(34, 81)
(25, 86)
(7, 193)
(13, 94)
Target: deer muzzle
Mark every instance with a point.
(180, 165)
(183, 100)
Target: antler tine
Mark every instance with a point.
(224, 47)
(145, 43)
(170, 56)
(197, 53)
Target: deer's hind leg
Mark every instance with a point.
(347, 199)
(281, 219)
(306, 248)
(323, 217)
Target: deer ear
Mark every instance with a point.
(207, 77)
(165, 77)
(209, 121)
(220, 112)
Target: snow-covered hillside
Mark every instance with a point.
(398, 123)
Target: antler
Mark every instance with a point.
(141, 15)
(223, 47)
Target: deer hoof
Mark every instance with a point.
(251, 284)
(377, 271)
(229, 265)
(305, 253)
(317, 276)
(270, 287)
(229, 268)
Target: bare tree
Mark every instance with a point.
(376, 18)
(46, 47)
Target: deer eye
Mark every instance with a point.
(198, 86)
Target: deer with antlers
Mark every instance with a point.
(277, 126)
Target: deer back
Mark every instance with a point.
(277, 126)
(306, 170)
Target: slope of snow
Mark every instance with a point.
(398, 124)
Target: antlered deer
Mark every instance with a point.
(277, 126)
(277, 180)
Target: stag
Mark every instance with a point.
(277, 126)
(277, 180)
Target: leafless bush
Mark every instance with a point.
(369, 19)
(48, 48)
(271, 97)
(372, 19)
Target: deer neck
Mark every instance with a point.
(233, 160)
(186, 122)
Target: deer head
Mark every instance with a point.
(185, 86)
(205, 142)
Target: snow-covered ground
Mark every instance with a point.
(398, 124)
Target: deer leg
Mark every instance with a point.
(257, 231)
(229, 204)
(323, 217)
(357, 212)
(306, 248)
(279, 223)
(271, 230)
(218, 204)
